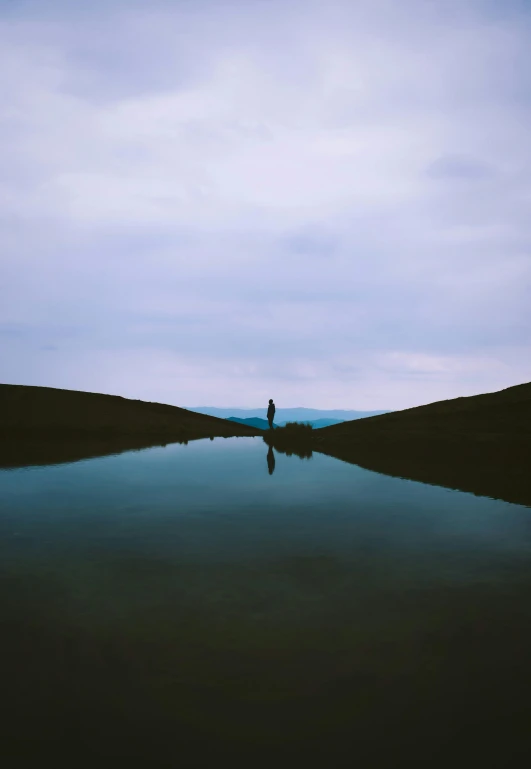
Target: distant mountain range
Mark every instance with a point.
(283, 415)
(263, 424)
(317, 423)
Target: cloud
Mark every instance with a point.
(459, 167)
(330, 204)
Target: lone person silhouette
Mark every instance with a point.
(271, 413)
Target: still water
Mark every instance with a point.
(191, 604)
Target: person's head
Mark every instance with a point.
(271, 400)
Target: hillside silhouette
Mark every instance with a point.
(505, 413)
(50, 413)
(480, 443)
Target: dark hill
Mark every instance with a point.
(480, 444)
(49, 413)
(504, 413)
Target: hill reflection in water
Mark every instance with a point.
(497, 469)
(37, 451)
(493, 469)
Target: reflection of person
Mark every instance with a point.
(271, 461)
(271, 413)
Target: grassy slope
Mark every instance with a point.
(48, 413)
(506, 413)
(480, 444)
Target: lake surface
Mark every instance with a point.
(190, 604)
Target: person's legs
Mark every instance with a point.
(270, 420)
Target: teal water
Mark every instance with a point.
(184, 605)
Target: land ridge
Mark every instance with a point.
(49, 413)
(506, 412)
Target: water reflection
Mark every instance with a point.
(287, 448)
(494, 470)
(271, 461)
(499, 469)
(36, 451)
(177, 608)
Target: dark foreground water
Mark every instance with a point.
(183, 607)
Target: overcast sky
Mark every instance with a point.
(215, 203)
